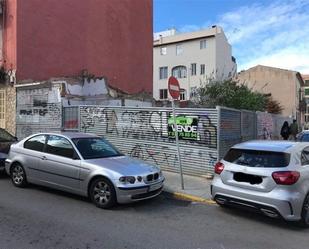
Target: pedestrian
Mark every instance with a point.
(285, 130)
(293, 130)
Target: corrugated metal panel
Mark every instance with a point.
(31, 120)
(248, 125)
(145, 133)
(38, 110)
(230, 129)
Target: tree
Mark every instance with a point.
(230, 94)
(273, 106)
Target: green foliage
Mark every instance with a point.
(273, 106)
(230, 94)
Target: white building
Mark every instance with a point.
(192, 58)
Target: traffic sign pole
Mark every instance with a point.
(177, 145)
(174, 90)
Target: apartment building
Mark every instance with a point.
(193, 58)
(285, 86)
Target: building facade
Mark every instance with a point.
(306, 96)
(193, 58)
(42, 40)
(285, 86)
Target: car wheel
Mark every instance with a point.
(102, 193)
(18, 175)
(305, 213)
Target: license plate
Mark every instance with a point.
(155, 186)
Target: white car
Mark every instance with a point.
(268, 176)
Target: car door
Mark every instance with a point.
(60, 164)
(31, 155)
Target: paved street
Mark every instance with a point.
(37, 217)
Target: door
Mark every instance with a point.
(32, 154)
(58, 166)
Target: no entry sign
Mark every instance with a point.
(173, 87)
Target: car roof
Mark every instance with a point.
(70, 135)
(267, 145)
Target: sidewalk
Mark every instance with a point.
(195, 188)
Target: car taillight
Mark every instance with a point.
(286, 177)
(219, 167)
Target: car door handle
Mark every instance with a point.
(43, 158)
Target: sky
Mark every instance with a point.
(272, 33)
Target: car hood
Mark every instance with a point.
(124, 165)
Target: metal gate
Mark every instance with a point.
(147, 133)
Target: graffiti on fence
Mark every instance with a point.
(265, 125)
(166, 155)
(145, 125)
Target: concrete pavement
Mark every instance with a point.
(196, 189)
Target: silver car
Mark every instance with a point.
(271, 177)
(83, 164)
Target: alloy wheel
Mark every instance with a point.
(101, 193)
(18, 175)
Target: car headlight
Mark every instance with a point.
(127, 179)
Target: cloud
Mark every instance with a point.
(275, 35)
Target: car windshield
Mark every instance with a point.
(93, 147)
(6, 137)
(257, 158)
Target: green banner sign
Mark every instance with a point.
(186, 127)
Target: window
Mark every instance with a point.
(179, 72)
(163, 93)
(202, 69)
(306, 92)
(258, 158)
(193, 69)
(307, 82)
(179, 49)
(2, 109)
(162, 73)
(182, 94)
(202, 44)
(305, 156)
(163, 51)
(59, 146)
(35, 143)
(93, 147)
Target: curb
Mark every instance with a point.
(188, 197)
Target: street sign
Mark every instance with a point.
(174, 90)
(173, 87)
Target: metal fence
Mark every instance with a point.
(147, 133)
